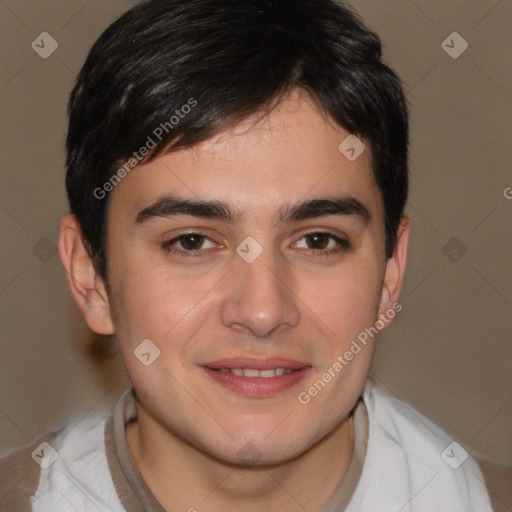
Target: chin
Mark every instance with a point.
(260, 451)
(249, 456)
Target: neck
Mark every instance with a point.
(181, 477)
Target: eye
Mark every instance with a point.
(192, 244)
(322, 244)
(197, 245)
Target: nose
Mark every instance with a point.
(260, 298)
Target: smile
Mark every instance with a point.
(257, 377)
(251, 372)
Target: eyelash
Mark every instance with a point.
(343, 245)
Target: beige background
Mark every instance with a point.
(449, 352)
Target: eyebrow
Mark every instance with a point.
(169, 206)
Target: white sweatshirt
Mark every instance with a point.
(402, 462)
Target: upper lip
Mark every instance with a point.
(267, 363)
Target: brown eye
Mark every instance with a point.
(317, 240)
(192, 241)
(189, 244)
(323, 244)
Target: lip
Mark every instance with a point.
(256, 363)
(257, 386)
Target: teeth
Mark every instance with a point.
(251, 372)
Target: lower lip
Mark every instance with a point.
(258, 386)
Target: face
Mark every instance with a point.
(252, 302)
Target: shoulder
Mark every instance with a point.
(419, 465)
(20, 472)
(66, 467)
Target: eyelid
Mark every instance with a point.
(342, 242)
(169, 242)
(171, 245)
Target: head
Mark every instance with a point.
(215, 211)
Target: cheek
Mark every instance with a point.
(142, 303)
(157, 303)
(346, 301)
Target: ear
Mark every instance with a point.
(395, 271)
(86, 285)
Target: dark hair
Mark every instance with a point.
(228, 59)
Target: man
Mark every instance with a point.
(237, 174)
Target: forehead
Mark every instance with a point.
(260, 165)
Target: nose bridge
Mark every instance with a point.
(260, 296)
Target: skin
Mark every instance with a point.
(289, 302)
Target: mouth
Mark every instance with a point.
(252, 372)
(257, 377)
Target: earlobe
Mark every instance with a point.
(395, 268)
(86, 286)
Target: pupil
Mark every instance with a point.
(319, 237)
(190, 242)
